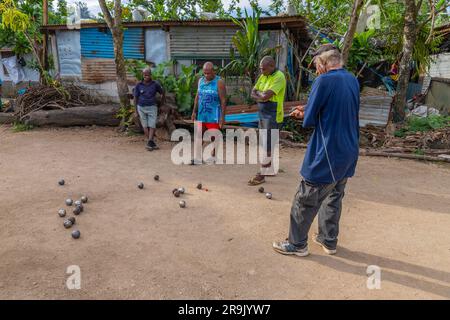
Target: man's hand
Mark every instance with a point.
(320, 69)
(298, 113)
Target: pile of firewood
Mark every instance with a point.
(44, 97)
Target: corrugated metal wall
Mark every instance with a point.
(440, 68)
(200, 42)
(97, 43)
(374, 110)
(98, 70)
(68, 44)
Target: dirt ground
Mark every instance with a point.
(138, 244)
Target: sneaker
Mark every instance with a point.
(284, 247)
(324, 247)
(152, 145)
(148, 146)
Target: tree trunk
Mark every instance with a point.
(101, 115)
(115, 25)
(122, 85)
(409, 39)
(348, 40)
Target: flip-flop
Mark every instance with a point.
(254, 181)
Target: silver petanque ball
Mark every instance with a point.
(269, 195)
(77, 203)
(181, 190)
(84, 199)
(62, 213)
(182, 204)
(67, 224)
(69, 202)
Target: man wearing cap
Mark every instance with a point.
(331, 156)
(269, 93)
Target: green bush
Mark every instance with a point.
(432, 122)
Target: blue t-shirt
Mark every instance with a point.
(332, 110)
(209, 109)
(146, 93)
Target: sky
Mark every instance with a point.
(94, 8)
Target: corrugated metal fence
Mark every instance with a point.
(98, 43)
(198, 42)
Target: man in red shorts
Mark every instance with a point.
(210, 101)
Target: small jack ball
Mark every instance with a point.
(61, 182)
(76, 234)
(268, 195)
(261, 189)
(72, 219)
(62, 213)
(69, 202)
(199, 186)
(84, 199)
(156, 177)
(67, 224)
(141, 185)
(182, 204)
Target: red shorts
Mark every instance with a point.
(210, 125)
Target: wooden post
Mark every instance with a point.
(45, 38)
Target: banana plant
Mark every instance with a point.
(250, 47)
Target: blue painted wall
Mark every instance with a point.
(97, 43)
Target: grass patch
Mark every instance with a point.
(19, 127)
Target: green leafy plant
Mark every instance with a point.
(135, 67)
(250, 46)
(432, 122)
(167, 80)
(125, 114)
(185, 88)
(20, 126)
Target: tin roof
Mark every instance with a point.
(292, 22)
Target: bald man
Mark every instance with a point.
(210, 101)
(269, 93)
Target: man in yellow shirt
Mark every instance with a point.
(269, 93)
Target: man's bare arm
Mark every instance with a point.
(223, 100)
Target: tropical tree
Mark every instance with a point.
(20, 30)
(418, 17)
(114, 22)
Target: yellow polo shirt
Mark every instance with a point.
(275, 82)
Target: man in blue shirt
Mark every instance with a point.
(330, 158)
(146, 106)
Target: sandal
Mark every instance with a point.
(258, 179)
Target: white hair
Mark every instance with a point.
(147, 69)
(330, 58)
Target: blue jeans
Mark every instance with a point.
(310, 199)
